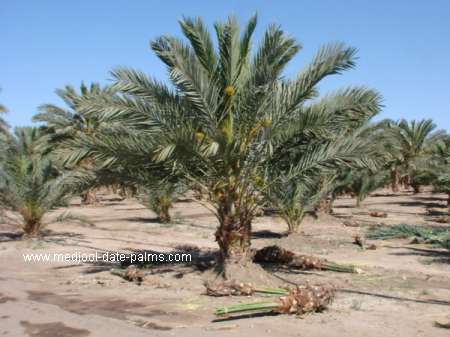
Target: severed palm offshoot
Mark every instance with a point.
(275, 254)
(297, 301)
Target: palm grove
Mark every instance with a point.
(229, 126)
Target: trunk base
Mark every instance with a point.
(164, 217)
(324, 206)
(31, 229)
(89, 198)
(246, 272)
(293, 232)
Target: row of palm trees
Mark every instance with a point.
(231, 126)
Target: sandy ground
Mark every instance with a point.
(403, 290)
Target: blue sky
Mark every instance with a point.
(404, 46)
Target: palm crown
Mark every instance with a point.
(66, 123)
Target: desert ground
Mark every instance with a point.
(403, 290)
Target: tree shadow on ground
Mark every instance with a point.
(395, 298)
(419, 203)
(433, 212)
(245, 316)
(425, 202)
(46, 235)
(390, 194)
(342, 215)
(145, 219)
(273, 268)
(201, 226)
(69, 239)
(362, 292)
(430, 198)
(271, 211)
(190, 259)
(10, 236)
(344, 206)
(185, 200)
(435, 255)
(106, 203)
(198, 215)
(267, 234)
(112, 199)
(133, 209)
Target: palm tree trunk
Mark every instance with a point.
(89, 197)
(293, 220)
(408, 182)
(164, 216)
(395, 179)
(331, 201)
(358, 201)
(324, 206)
(234, 241)
(32, 229)
(32, 223)
(234, 232)
(293, 227)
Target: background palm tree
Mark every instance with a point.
(159, 197)
(63, 124)
(293, 199)
(361, 183)
(3, 124)
(71, 122)
(230, 118)
(411, 143)
(434, 169)
(30, 185)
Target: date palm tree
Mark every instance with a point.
(159, 197)
(434, 169)
(294, 199)
(62, 124)
(30, 185)
(231, 119)
(411, 142)
(70, 122)
(3, 125)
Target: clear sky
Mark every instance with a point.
(404, 46)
